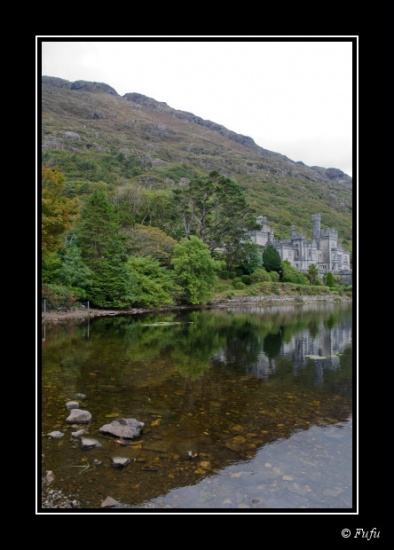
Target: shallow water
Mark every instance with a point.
(242, 408)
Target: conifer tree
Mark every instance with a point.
(271, 259)
(74, 273)
(103, 251)
(215, 209)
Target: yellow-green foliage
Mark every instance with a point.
(195, 270)
(57, 210)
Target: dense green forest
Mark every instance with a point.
(149, 248)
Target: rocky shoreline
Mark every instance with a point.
(82, 314)
(54, 498)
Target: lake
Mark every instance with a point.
(243, 408)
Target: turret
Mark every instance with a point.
(262, 220)
(316, 227)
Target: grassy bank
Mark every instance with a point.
(225, 290)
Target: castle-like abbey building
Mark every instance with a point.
(325, 251)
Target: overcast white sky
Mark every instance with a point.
(292, 97)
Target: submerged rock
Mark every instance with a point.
(87, 443)
(126, 428)
(49, 476)
(120, 461)
(55, 434)
(78, 433)
(79, 416)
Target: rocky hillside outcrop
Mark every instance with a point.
(95, 135)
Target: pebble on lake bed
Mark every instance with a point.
(120, 461)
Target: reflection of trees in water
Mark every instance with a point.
(330, 322)
(222, 406)
(194, 340)
(272, 344)
(241, 348)
(313, 328)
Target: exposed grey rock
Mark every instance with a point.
(55, 82)
(72, 135)
(78, 433)
(161, 106)
(49, 477)
(109, 502)
(97, 114)
(80, 395)
(158, 162)
(148, 102)
(120, 461)
(52, 143)
(72, 405)
(334, 173)
(55, 434)
(87, 443)
(79, 416)
(127, 428)
(99, 87)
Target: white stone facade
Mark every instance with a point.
(325, 250)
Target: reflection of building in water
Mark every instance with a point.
(322, 348)
(326, 344)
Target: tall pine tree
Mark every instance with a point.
(74, 273)
(103, 251)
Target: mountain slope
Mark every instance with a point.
(95, 135)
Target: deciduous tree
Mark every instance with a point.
(147, 241)
(313, 274)
(154, 283)
(291, 275)
(195, 270)
(57, 211)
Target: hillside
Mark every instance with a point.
(96, 136)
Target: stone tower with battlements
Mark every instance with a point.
(316, 227)
(325, 250)
(262, 236)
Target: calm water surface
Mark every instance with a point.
(261, 398)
